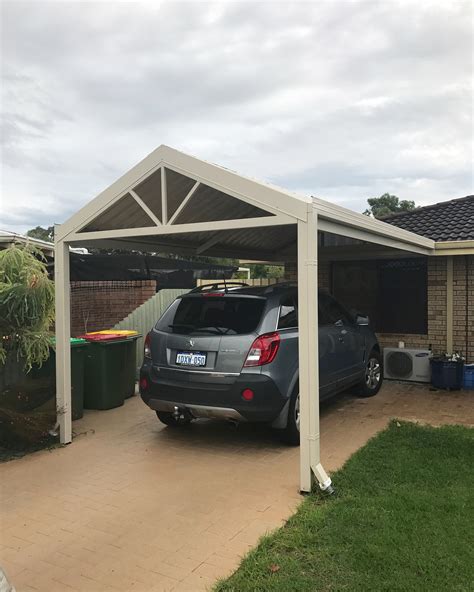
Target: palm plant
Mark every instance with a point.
(26, 306)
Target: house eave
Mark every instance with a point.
(448, 248)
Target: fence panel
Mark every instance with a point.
(250, 282)
(145, 316)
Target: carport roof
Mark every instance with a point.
(174, 202)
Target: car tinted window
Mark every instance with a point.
(331, 312)
(288, 314)
(214, 315)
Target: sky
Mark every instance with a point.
(340, 99)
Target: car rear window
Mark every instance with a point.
(214, 315)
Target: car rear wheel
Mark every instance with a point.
(169, 419)
(373, 379)
(291, 434)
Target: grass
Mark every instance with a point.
(403, 519)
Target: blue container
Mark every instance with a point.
(447, 375)
(469, 376)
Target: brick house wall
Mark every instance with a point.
(100, 305)
(463, 306)
(324, 269)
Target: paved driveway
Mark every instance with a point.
(131, 505)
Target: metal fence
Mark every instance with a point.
(145, 316)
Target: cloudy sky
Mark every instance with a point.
(340, 99)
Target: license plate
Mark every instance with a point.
(190, 358)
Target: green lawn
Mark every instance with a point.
(403, 519)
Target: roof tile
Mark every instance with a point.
(446, 221)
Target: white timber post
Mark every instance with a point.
(63, 347)
(310, 464)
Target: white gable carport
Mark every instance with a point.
(177, 203)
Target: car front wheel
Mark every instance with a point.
(373, 377)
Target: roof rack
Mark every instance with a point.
(273, 287)
(218, 286)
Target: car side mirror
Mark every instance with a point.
(362, 320)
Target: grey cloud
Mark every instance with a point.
(341, 99)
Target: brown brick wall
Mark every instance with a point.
(437, 335)
(291, 273)
(100, 305)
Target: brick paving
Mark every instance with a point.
(132, 505)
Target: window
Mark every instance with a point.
(403, 289)
(288, 314)
(331, 312)
(393, 293)
(212, 314)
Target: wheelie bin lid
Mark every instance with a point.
(122, 332)
(74, 341)
(98, 338)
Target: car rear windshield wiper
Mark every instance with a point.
(194, 329)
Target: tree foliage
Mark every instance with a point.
(45, 234)
(387, 204)
(26, 305)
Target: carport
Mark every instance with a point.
(173, 202)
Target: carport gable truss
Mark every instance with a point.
(177, 203)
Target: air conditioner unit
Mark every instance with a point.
(407, 364)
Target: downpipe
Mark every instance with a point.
(324, 481)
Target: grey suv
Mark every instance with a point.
(231, 352)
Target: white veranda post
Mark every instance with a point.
(63, 348)
(308, 354)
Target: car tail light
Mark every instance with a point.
(143, 384)
(147, 348)
(263, 350)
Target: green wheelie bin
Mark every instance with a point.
(48, 371)
(129, 367)
(106, 359)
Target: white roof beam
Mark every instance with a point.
(182, 205)
(164, 196)
(182, 228)
(372, 237)
(144, 207)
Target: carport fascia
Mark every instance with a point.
(283, 208)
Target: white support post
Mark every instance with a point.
(449, 304)
(63, 347)
(308, 354)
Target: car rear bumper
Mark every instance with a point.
(216, 396)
